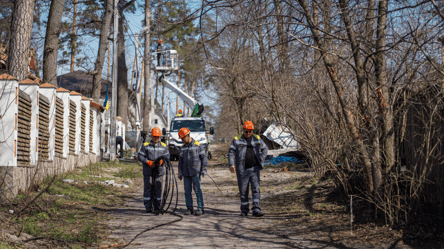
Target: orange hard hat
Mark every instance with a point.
(183, 132)
(248, 125)
(180, 111)
(156, 132)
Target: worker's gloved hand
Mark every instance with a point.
(150, 163)
(180, 176)
(158, 161)
(203, 174)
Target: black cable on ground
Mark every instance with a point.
(169, 190)
(215, 184)
(170, 187)
(151, 228)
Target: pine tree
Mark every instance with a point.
(19, 45)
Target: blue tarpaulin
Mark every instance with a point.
(283, 159)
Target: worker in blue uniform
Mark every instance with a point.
(192, 166)
(153, 171)
(246, 157)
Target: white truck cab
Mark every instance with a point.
(198, 131)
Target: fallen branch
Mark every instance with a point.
(66, 203)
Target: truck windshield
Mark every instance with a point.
(193, 125)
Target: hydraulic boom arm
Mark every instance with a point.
(190, 101)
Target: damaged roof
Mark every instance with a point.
(280, 135)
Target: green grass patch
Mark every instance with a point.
(91, 193)
(69, 211)
(87, 234)
(87, 175)
(30, 226)
(5, 245)
(130, 173)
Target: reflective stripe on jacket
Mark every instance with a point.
(151, 151)
(192, 159)
(238, 149)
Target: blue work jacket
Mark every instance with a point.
(192, 159)
(238, 149)
(151, 151)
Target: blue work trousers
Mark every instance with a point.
(152, 191)
(193, 182)
(250, 176)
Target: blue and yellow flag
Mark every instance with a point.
(106, 104)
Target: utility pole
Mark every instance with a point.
(146, 60)
(138, 109)
(109, 60)
(113, 133)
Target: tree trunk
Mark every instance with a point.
(326, 20)
(73, 37)
(100, 60)
(146, 59)
(52, 42)
(122, 74)
(240, 109)
(385, 108)
(337, 84)
(282, 43)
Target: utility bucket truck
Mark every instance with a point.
(165, 62)
(195, 123)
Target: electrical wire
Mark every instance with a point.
(169, 190)
(215, 183)
(170, 187)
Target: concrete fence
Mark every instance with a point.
(44, 131)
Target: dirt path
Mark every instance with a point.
(298, 214)
(220, 226)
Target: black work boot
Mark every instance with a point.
(243, 214)
(258, 213)
(198, 213)
(157, 210)
(149, 211)
(189, 211)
